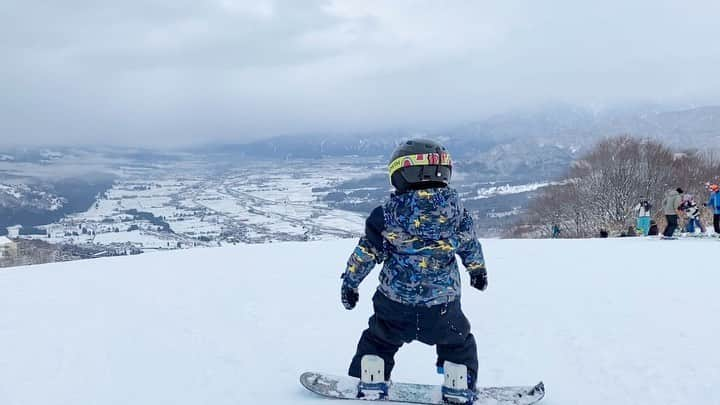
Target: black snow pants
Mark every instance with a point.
(716, 223)
(672, 224)
(393, 324)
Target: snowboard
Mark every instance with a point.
(342, 387)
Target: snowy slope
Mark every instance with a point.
(624, 321)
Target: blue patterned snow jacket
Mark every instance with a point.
(417, 235)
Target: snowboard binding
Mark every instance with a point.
(455, 389)
(372, 383)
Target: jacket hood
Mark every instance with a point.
(430, 214)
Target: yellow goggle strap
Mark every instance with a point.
(422, 159)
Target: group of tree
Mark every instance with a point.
(602, 189)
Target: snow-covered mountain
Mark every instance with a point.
(577, 127)
(567, 127)
(27, 196)
(623, 321)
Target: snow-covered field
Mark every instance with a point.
(602, 322)
(506, 189)
(260, 202)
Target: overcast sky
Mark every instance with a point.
(151, 72)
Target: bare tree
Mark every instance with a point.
(602, 189)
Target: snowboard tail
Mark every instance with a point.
(343, 387)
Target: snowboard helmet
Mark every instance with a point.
(714, 187)
(419, 164)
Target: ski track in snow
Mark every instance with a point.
(624, 321)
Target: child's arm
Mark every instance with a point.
(470, 250)
(368, 252)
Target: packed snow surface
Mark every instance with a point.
(623, 321)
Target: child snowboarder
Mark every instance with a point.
(692, 212)
(416, 234)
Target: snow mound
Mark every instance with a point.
(625, 321)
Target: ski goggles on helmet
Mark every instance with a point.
(422, 159)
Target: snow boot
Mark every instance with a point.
(372, 383)
(457, 388)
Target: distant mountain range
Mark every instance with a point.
(567, 127)
(529, 145)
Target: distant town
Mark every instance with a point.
(149, 209)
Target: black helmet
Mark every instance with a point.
(419, 164)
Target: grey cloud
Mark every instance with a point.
(159, 72)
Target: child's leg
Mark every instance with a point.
(690, 226)
(447, 327)
(392, 325)
(377, 340)
(463, 353)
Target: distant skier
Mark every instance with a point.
(555, 231)
(714, 204)
(416, 234)
(671, 204)
(692, 213)
(643, 216)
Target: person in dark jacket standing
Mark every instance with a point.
(671, 204)
(416, 234)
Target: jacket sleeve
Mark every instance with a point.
(469, 250)
(369, 250)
